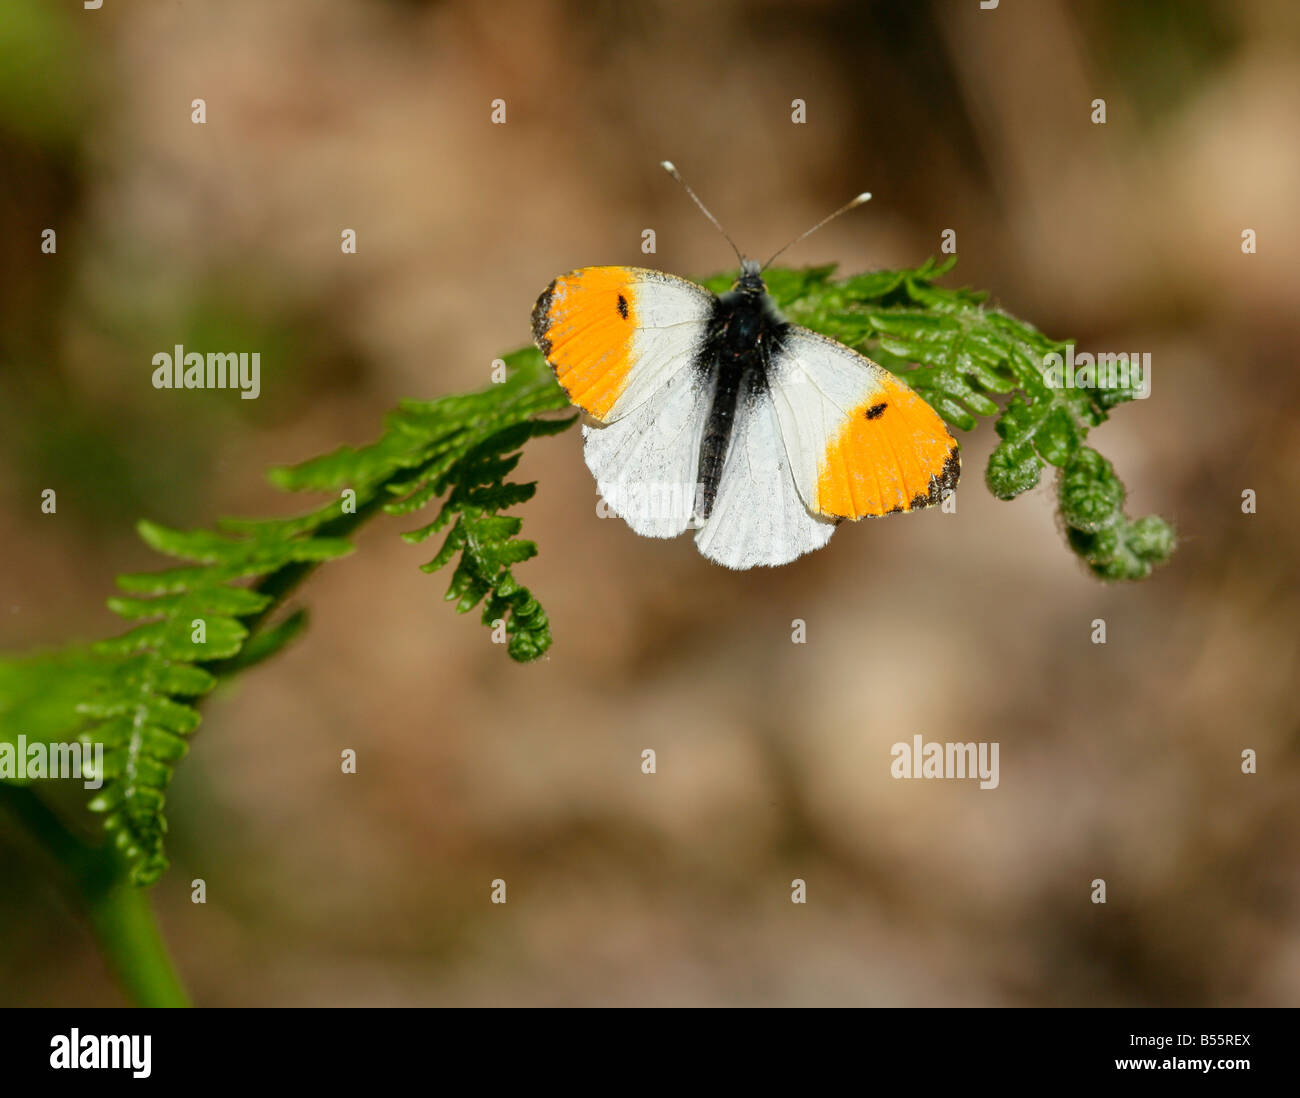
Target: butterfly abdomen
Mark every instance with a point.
(743, 334)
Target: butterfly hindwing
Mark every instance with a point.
(758, 517)
(615, 335)
(645, 463)
(859, 441)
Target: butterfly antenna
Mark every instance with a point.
(854, 204)
(671, 169)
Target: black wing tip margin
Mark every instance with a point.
(940, 482)
(542, 320)
(944, 479)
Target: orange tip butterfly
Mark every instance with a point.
(715, 414)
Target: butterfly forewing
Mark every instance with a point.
(615, 335)
(859, 441)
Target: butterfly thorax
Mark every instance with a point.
(744, 334)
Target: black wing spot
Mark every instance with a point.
(876, 410)
(622, 306)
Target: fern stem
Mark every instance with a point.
(123, 920)
(120, 915)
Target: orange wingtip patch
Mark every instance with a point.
(584, 324)
(892, 454)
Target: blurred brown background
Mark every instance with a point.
(1119, 761)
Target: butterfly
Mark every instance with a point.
(713, 413)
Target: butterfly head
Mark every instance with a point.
(751, 278)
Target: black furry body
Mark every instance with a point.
(744, 334)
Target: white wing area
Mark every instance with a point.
(758, 517)
(645, 462)
(672, 316)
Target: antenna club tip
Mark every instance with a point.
(865, 196)
(668, 166)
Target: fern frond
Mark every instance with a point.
(137, 693)
(462, 448)
(144, 707)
